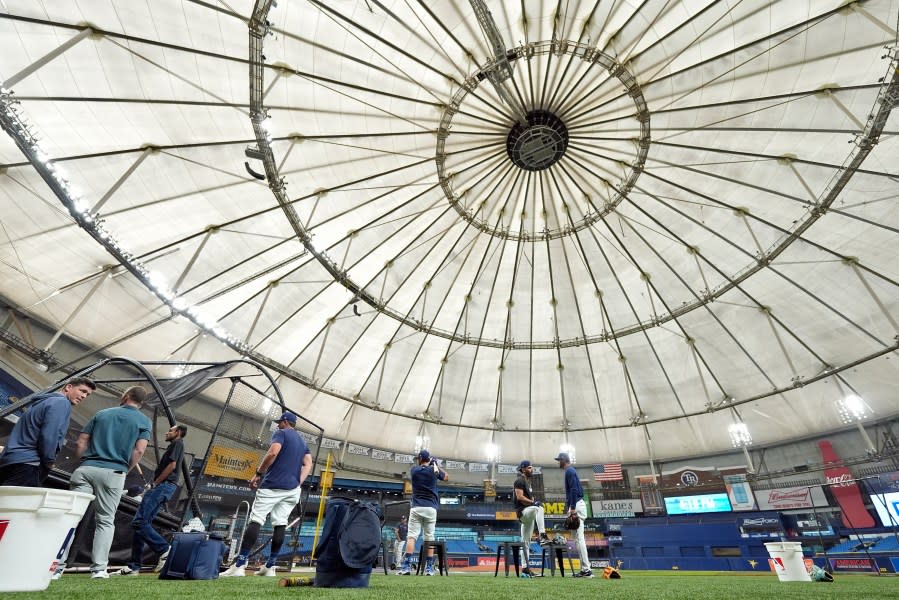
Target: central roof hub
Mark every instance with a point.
(540, 143)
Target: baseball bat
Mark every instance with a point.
(296, 582)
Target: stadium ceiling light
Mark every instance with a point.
(739, 435)
(492, 452)
(570, 451)
(422, 442)
(14, 122)
(853, 408)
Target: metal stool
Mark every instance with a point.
(439, 547)
(557, 552)
(509, 550)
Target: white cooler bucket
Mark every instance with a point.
(36, 526)
(787, 561)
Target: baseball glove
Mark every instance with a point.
(572, 522)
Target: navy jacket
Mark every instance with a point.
(40, 432)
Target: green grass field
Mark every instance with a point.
(634, 584)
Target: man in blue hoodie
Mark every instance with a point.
(40, 434)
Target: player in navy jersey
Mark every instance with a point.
(279, 479)
(423, 515)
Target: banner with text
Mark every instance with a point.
(610, 509)
(232, 462)
(787, 498)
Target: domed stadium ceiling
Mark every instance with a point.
(642, 228)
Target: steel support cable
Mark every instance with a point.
(761, 263)
(138, 274)
(734, 51)
(371, 279)
(375, 276)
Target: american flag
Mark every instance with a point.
(607, 472)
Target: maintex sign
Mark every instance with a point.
(786, 498)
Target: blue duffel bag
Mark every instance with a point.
(349, 544)
(195, 555)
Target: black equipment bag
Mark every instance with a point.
(195, 555)
(349, 544)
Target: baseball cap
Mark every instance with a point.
(424, 455)
(563, 456)
(524, 465)
(289, 417)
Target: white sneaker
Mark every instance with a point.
(125, 571)
(99, 574)
(235, 571)
(161, 562)
(57, 574)
(267, 571)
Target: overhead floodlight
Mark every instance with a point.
(492, 452)
(852, 408)
(739, 435)
(569, 450)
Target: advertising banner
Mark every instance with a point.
(788, 498)
(739, 493)
(477, 467)
(610, 509)
(852, 564)
(885, 482)
(238, 463)
(220, 493)
(381, 454)
(358, 450)
(844, 490)
(760, 527)
(455, 465)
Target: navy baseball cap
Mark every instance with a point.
(563, 456)
(424, 455)
(524, 465)
(289, 417)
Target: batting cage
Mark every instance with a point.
(229, 409)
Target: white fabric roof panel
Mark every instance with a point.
(539, 303)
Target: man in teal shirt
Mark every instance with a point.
(111, 443)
